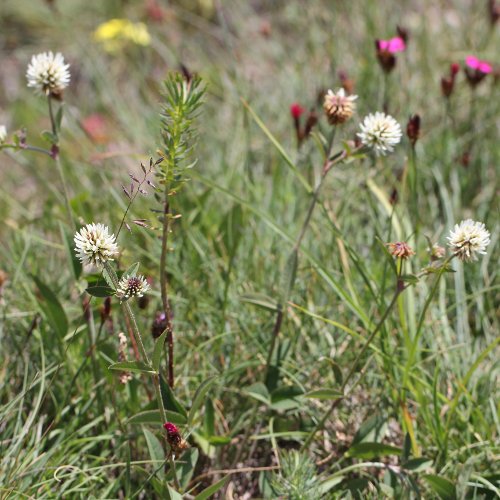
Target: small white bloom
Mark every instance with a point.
(468, 239)
(47, 73)
(132, 286)
(94, 244)
(3, 134)
(380, 132)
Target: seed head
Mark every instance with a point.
(436, 252)
(468, 239)
(47, 73)
(400, 249)
(380, 132)
(338, 106)
(94, 244)
(132, 286)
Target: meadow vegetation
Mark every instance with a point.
(223, 276)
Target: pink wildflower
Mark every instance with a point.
(475, 63)
(396, 44)
(296, 110)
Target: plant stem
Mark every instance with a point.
(328, 164)
(156, 378)
(321, 423)
(164, 290)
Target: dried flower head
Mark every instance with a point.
(131, 286)
(338, 106)
(468, 239)
(3, 134)
(94, 244)
(436, 252)
(400, 249)
(47, 73)
(380, 132)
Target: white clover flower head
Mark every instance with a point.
(94, 244)
(338, 106)
(47, 73)
(380, 132)
(3, 134)
(131, 286)
(468, 239)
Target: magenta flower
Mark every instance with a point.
(478, 65)
(296, 110)
(396, 44)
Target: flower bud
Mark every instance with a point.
(413, 129)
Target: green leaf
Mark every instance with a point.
(324, 394)
(52, 309)
(417, 464)
(219, 440)
(211, 490)
(76, 265)
(156, 451)
(289, 274)
(154, 417)
(132, 366)
(371, 430)
(132, 270)
(443, 487)
(372, 450)
(209, 418)
(260, 300)
(169, 399)
(259, 392)
(49, 137)
(286, 397)
(100, 291)
(59, 117)
(158, 350)
(172, 494)
(409, 278)
(186, 467)
(199, 397)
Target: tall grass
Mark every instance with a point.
(364, 392)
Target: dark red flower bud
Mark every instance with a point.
(312, 119)
(413, 129)
(454, 69)
(494, 11)
(159, 324)
(174, 437)
(402, 33)
(106, 309)
(346, 82)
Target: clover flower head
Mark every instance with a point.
(47, 73)
(380, 132)
(468, 239)
(131, 286)
(3, 134)
(94, 244)
(400, 249)
(338, 106)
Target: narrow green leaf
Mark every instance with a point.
(158, 350)
(417, 464)
(289, 274)
(100, 291)
(209, 418)
(132, 366)
(324, 394)
(132, 270)
(185, 468)
(199, 397)
(278, 146)
(156, 451)
(443, 487)
(169, 399)
(259, 392)
(172, 494)
(153, 417)
(260, 300)
(372, 450)
(52, 309)
(59, 117)
(219, 440)
(211, 490)
(76, 265)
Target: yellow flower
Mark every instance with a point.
(115, 33)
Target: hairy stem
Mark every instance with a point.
(164, 289)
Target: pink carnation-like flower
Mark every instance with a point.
(396, 44)
(478, 65)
